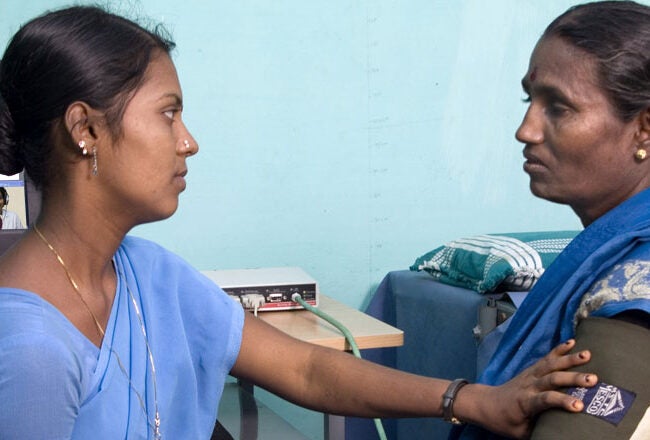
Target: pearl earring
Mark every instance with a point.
(641, 154)
(82, 147)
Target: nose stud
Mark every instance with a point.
(187, 144)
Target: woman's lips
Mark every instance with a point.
(532, 163)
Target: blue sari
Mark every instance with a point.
(56, 384)
(548, 315)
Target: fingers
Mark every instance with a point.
(555, 380)
(556, 399)
(564, 347)
(571, 360)
(539, 387)
(558, 359)
(565, 379)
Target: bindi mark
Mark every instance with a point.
(533, 75)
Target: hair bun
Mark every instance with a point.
(10, 160)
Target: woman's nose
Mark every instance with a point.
(187, 146)
(530, 130)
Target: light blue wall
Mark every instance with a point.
(345, 137)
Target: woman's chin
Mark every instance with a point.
(544, 192)
(158, 215)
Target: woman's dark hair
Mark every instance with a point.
(617, 35)
(76, 54)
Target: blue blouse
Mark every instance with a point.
(56, 384)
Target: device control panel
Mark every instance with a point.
(265, 289)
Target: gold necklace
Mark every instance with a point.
(100, 329)
(156, 423)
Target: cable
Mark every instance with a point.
(348, 337)
(253, 301)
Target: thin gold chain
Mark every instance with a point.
(156, 423)
(72, 281)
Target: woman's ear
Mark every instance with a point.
(643, 134)
(81, 122)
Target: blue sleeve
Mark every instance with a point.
(39, 388)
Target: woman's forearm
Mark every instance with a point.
(336, 382)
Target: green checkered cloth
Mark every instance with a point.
(495, 262)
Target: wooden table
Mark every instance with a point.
(368, 332)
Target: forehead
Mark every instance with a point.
(557, 64)
(160, 78)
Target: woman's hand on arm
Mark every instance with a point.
(336, 382)
(510, 409)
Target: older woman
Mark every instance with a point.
(587, 145)
(103, 335)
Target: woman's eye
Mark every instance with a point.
(555, 110)
(169, 114)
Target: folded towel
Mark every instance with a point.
(495, 262)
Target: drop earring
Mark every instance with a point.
(82, 147)
(94, 161)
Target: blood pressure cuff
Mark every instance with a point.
(618, 406)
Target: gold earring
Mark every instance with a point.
(641, 154)
(82, 147)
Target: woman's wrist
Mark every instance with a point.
(467, 404)
(448, 400)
